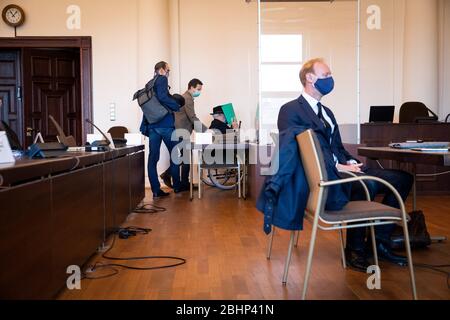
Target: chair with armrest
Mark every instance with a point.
(358, 213)
(353, 150)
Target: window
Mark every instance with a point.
(281, 61)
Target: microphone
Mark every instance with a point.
(103, 134)
(434, 114)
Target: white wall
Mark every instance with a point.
(444, 61)
(218, 43)
(128, 38)
(420, 56)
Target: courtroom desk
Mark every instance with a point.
(55, 213)
(382, 134)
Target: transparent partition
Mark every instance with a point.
(291, 33)
(381, 52)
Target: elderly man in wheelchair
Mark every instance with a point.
(221, 164)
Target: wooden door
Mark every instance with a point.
(10, 91)
(52, 87)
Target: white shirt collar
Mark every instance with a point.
(312, 101)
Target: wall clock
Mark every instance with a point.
(13, 15)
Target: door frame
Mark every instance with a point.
(84, 44)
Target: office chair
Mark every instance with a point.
(358, 213)
(118, 132)
(412, 112)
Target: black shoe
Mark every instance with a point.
(357, 260)
(386, 254)
(160, 194)
(167, 179)
(182, 189)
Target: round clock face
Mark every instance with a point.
(13, 15)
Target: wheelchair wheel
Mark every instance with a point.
(207, 180)
(225, 179)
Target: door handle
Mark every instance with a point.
(19, 93)
(30, 131)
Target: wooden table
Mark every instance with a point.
(382, 134)
(441, 159)
(55, 213)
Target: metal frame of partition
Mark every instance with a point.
(358, 62)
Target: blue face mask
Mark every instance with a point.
(196, 94)
(325, 86)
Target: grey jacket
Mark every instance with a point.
(186, 117)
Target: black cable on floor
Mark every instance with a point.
(149, 208)
(436, 268)
(111, 266)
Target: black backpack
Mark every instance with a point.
(153, 110)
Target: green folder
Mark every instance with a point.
(228, 111)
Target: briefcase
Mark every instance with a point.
(418, 233)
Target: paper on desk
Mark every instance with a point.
(6, 155)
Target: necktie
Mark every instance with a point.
(325, 122)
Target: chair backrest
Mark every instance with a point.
(118, 132)
(410, 111)
(315, 170)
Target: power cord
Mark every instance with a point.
(111, 266)
(436, 268)
(125, 233)
(149, 208)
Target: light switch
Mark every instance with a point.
(112, 112)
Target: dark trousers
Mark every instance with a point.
(185, 167)
(156, 136)
(402, 182)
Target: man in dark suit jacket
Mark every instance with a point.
(308, 111)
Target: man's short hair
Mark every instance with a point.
(308, 67)
(160, 65)
(194, 83)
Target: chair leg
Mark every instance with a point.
(199, 182)
(288, 258)
(409, 256)
(269, 247)
(239, 180)
(297, 236)
(374, 245)
(309, 261)
(341, 236)
(191, 177)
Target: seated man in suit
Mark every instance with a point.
(308, 111)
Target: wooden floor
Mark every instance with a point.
(225, 247)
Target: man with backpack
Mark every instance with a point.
(161, 131)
